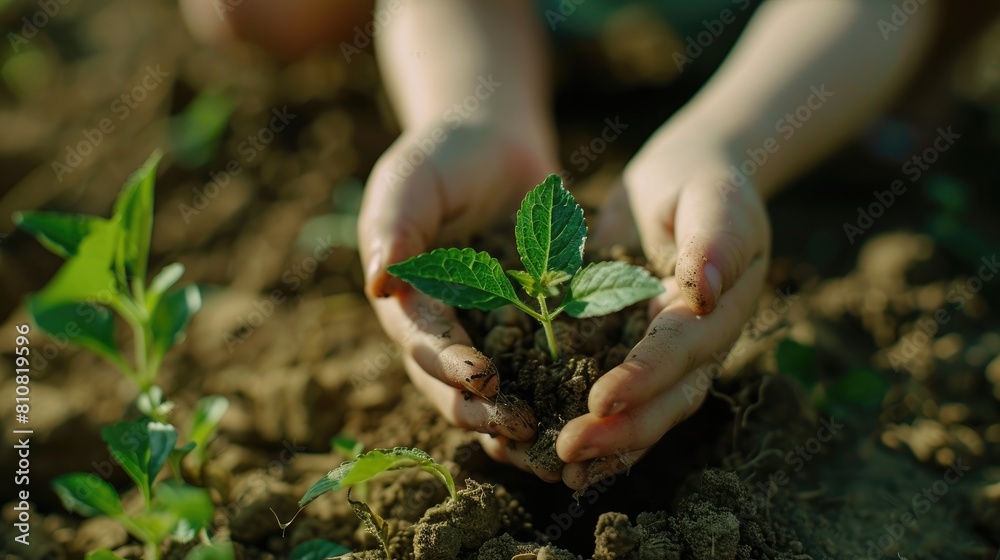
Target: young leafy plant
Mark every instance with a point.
(366, 466)
(170, 507)
(550, 232)
(106, 271)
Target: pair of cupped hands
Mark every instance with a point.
(706, 237)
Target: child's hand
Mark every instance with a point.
(687, 211)
(474, 176)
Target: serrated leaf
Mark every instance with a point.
(318, 549)
(214, 551)
(83, 324)
(172, 315)
(57, 232)
(609, 286)
(134, 210)
(141, 448)
(458, 277)
(372, 464)
(374, 525)
(87, 495)
(87, 276)
(190, 506)
(550, 230)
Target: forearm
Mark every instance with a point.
(436, 53)
(791, 52)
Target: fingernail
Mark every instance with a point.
(714, 278)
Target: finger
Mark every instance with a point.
(654, 210)
(676, 340)
(467, 411)
(400, 215)
(589, 436)
(516, 453)
(580, 476)
(719, 234)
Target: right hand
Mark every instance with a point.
(436, 187)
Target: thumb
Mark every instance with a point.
(720, 232)
(400, 216)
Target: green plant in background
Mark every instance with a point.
(857, 387)
(106, 273)
(550, 232)
(359, 471)
(170, 508)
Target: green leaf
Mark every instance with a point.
(83, 324)
(161, 283)
(374, 525)
(195, 133)
(141, 448)
(347, 447)
(191, 508)
(57, 232)
(859, 388)
(550, 230)
(374, 463)
(318, 549)
(798, 361)
(152, 525)
(102, 554)
(134, 209)
(172, 315)
(208, 412)
(609, 286)
(87, 276)
(459, 277)
(214, 551)
(87, 495)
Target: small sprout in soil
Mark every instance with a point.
(367, 466)
(550, 233)
(169, 508)
(318, 549)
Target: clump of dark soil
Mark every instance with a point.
(716, 520)
(556, 390)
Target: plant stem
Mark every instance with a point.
(546, 321)
(151, 551)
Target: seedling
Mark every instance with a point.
(105, 271)
(550, 233)
(170, 507)
(368, 466)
